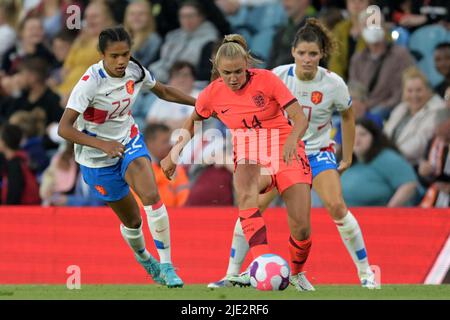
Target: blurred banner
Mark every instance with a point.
(42, 245)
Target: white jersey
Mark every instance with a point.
(104, 104)
(319, 98)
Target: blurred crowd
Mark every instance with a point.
(398, 77)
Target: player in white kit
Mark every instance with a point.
(320, 92)
(111, 150)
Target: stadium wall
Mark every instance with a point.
(37, 245)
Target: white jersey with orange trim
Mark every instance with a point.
(319, 98)
(104, 104)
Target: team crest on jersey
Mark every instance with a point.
(101, 190)
(259, 99)
(316, 97)
(130, 86)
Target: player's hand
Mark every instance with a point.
(290, 151)
(168, 166)
(343, 165)
(113, 149)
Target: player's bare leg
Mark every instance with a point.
(328, 186)
(140, 177)
(298, 204)
(131, 228)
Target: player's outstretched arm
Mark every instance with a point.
(168, 164)
(67, 131)
(172, 94)
(297, 116)
(348, 139)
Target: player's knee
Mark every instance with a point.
(149, 196)
(133, 222)
(246, 198)
(337, 209)
(301, 232)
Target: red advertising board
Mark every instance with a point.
(38, 244)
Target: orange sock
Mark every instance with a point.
(255, 231)
(298, 251)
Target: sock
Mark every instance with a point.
(136, 241)
(158, 222)
(298, 252)
(239, 249)
(352, 237)
(255, 232)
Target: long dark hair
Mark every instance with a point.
(117, 34)
(379, 139)
(315, 31)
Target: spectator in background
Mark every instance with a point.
(62, 183)
(442, 63)
(84, 51)
(182, 77)
(211, 183)
(187, 42)
(412, 14)
(61, 44)
(297, 11)
(50, 11)
(379, 175)
(9, 13)
(349, 38)
(36, 94)
(165, 13)
(358, 93)
(175, 192)
(379, 67)
(434, 170)
(412, 122)
(32, 124)
(30, 44)
(140, 23)
(19, 185)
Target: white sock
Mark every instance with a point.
(136, 241)
(158, 222)
(352, 237)
(239, 249)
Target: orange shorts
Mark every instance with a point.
(284, 175)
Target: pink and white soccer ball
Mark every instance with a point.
(269, 272)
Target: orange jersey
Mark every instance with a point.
(254, 113)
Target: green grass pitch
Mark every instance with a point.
(194, 292)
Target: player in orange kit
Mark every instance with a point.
(268, 151)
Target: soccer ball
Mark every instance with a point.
(269, 272)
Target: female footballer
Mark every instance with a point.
(111, 150)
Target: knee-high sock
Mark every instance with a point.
(136, 241)
(158, 222)
(255, 231)
(298, 252)
(353, 239)
(239, 249)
